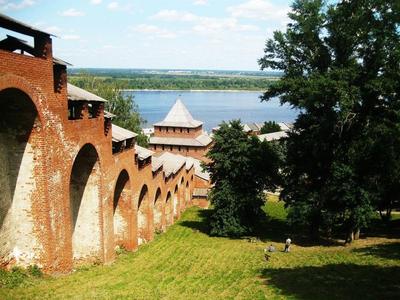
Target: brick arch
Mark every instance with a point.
(181, 195)
(11, 81)
(168, 209)
(22, 178)
(122, 218)
(143, 220)
(187, 193)
(76, 153)
(85, 187)
(175, 198)
(158, 210)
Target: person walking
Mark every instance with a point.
(287, 244)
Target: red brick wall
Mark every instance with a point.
(59, 140)
(201, 202)
(196, 152)
(201, 183)
(160, 131)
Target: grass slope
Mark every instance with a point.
(185, 263)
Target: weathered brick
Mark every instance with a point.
(71, 199)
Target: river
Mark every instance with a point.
(212, 107)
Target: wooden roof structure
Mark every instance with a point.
(77, 94)
(20, 27)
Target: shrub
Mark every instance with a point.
(12, 279)
(35, 271)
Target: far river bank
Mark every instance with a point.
(194, 91)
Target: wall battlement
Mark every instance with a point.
(65, 197)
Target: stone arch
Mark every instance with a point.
(21, 176)
(121, 210)
(157, 211)
(175, 199)
(142, 215)
(181, 195)
(187, 193)
(11, 81)
(168, 209)
(85, 199)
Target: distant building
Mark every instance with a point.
(148, 131)
(274, 136)
(180, 133)
(255, 128)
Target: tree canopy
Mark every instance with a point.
(269, 127)
(341, 65)
(241, 168)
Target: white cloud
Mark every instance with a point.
(116, 6)
(53, 30)
(111, 47)
(200, 2)
(213, 26)
(95, 2)
(259, 9)
(60, 32)
(174, 16)
(154, 31)
(72, 12)
(71, 37)
(10, 5)
(113, 5)
(203, 24)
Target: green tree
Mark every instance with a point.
(269, 127)
(341, 70)
(122, 106)
(241, 168)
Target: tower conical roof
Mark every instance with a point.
(179, 116)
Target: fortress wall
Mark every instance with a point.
(62, 203)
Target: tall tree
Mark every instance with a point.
(241, 168)
(341, 70)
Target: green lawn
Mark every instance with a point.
(185, 263)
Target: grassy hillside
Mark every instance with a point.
(185, 263)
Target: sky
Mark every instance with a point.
(155, 34)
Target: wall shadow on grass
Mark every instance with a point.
(269, 230)
(379, 228)
(335, 281)
(386, 251)
(203, 224)
(273, 228)
(277, 230)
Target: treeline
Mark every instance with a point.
(176, 82)
(340, 164)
